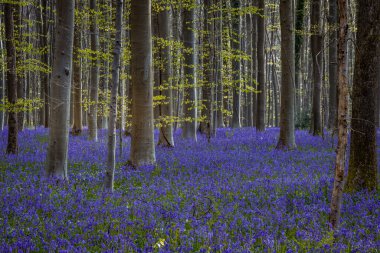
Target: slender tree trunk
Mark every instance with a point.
(316, 53)
(45, 57)
(236, 68)
(110, 172)
(300, 14)
(12, 147)
(93, 108)
(142, 144)
(18, 15)
(165, 110)
(333, 66)
(254, 66)
(261, 96)
(2, 82)
(190, 94)
(77, 80)
(362, 170)
(60, 91)
(208, 71)
(340, 160)
(219, 55)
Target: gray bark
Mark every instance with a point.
(110, 172)
(287, 139)
(236, 64)
(165, 110)
(93, 108)
(142, 144)
(190, 94)
(261, 96)
(60, 92)
(333, 63)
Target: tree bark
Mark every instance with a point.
(165, 110)
(333, 66)
(77, 80)
(2, 82)
(60, 92)
(219, 55)
(340, 160)
(236, 63)
(93, 108)
(316, 53)
(261, 96)
(362, 171)
(110, 172)
(299, 26)
(12, 147)
(142, 144)
(190, 94)
(287, 139)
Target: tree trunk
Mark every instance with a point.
(300, 13)
(333, 67)
(340, 160)
(362, 171)
(236, 68)
(12, 147)
(45, 58)
(77, 80)
(316, 53)
(60, 91)
(18, 15)
(165, 110)
(2, 83)
(219, 55)
(190, 94)
(93, 108)
(254, 66)
(142, 144)
(261, 96)
(110, 172)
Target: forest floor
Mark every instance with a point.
(235, 194)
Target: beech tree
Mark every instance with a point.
(165, 109)
(316, 54)
(12, 146)
(142, 142)
(340, 160)
(287, 139)
(109, 177)
(362, 170)
(190, 94)
(261, 103)
(60, 91)
(236, 63)
(93, 107)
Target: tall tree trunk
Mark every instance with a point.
(77, 80)
(208, 71)
(93, 108)
(45, 58)
(249, 106)
(18, 15)
(165, 110)
(236, 68)
(333, 66)
(340, 160)
(299, 37)
(316, 53)
(362, 170)
(110, 172)
(190, 94)
(60, 91)
(219, 55)
(142, 144)
(261, 96)
(2, 82)
(254, 66)
(12, 147)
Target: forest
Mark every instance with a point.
(189, 125)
